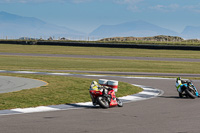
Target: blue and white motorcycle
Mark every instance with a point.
(186, 88)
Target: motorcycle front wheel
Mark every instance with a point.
(191, 93)
(180, 95)
(103, 102)
(119, 103)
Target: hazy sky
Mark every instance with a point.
(87, 15)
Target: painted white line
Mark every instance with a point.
(95, 75)
(36, 109)
(60, 74)
(148, 78)
(25, 72)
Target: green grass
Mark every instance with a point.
(11, 48)
(54, 63)
(60, 90)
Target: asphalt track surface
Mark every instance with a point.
(165, 114)
(11, 84)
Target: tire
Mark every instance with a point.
(180, 95)
(190, 93)
(119, 103)
(103, 102)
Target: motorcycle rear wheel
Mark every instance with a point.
(190, 93)
(103, 102)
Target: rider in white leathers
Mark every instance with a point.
(178, 84)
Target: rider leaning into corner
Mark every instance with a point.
(97, 87)
(179, 84)
(94, 86)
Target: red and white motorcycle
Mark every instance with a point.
(104, 94)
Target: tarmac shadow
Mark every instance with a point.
(86, 106)
(173, 97)
(83, 106)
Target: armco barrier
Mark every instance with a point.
(111, 45)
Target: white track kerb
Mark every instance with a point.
(147, 93)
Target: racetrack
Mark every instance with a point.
(165, 114)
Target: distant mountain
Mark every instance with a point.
(15, 26)
(191, 32)
(135, 28)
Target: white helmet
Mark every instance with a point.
(94, 83)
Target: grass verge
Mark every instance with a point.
(61, 90)
(54, 63)
(40, 49)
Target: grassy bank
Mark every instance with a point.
(173, 43)
(61, 90)
(167, 40)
